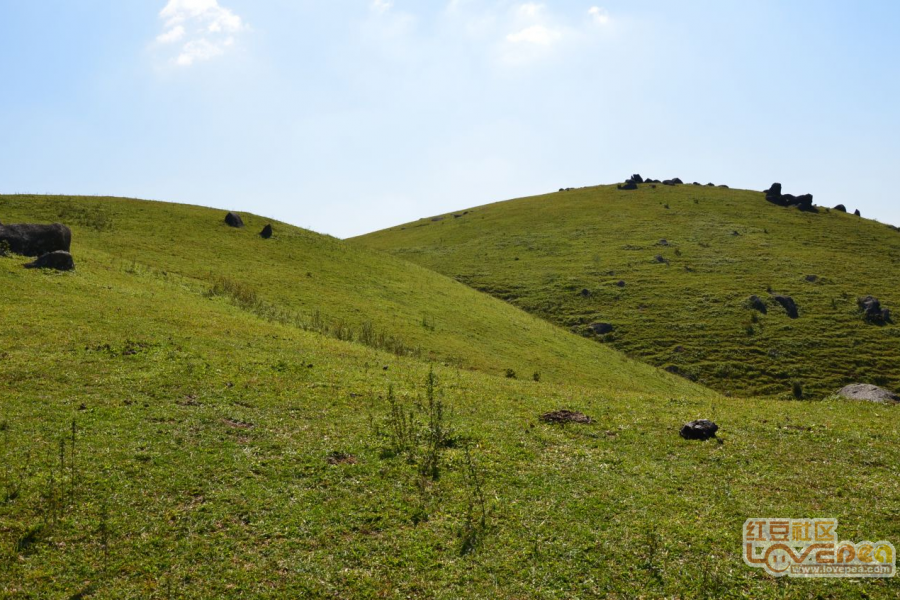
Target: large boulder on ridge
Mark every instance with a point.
(869, 393)
(234, 220)
(36, 240)
(59, 260)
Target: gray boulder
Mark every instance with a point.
(234, 220)
(266, 233)
(869, 393)
(36, 240)
(756, 303)
(790, 307)
(58, 260)
(699, 430)
(601, 328)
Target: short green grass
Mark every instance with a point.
(203, 428)
(325, 284)
(688, 312)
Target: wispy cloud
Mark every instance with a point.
(536, 34)
(381, 6)
(202, 29)
(599, 15)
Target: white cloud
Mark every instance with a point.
(172, 35)
(206, 28)
(599, 15)
(530, 10)
(536, 34)
(381, 6)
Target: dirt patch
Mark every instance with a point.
(237, 424)
(566, 416)
(340, 458)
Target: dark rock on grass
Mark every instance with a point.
(340, 458)
(710, 184)
(266, 233)
(36, 240)
(756, 303)
(773, 194)
(660, 259)
(234, 220)
(675, 181)
(629, 185)
(790, 307)
(662, 243)
(566, 416)
(702, 429)
(59, 260)
(724, 186)
(869, 393)
(601, 328)
(812, 278)
(840, 208)
(697, 183)
(873, 311)
(676, 370)
(620, 284)
(857, 213)
(585, 293)
(635, 179)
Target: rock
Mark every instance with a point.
(585, 293)
(756, 303)
(873, 311)
(710, 185)
(677, 181)
(660, 259)
(697, 183)
(812, 278)
(805, 202)
(870, 393)
(636, 179)
(841, 208)
(36, 240)
(662, 243)
(629, 185)
(601, 328)
(234, 220)
(59, 260)
(790, 307)
(266, 233)
(724, 186)
(857, 213)
(620, 284)
(669, 182)
(699, 430)
(566, 416)
(436, 219)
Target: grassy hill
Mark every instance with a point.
(322, 284)
(687, 258)
(173, 424)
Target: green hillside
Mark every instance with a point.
(688, 258)
(323, 284)
(176, 423)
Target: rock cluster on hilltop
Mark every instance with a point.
(49, 243)
(775, 196)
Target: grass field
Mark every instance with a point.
(689, 258)
(227, 444)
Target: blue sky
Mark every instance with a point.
(347, 116)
